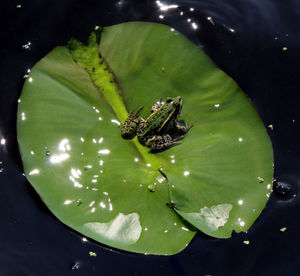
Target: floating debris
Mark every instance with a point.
(283, 229)
(92, 254)
(151, 188)
(27, 46)
(246, 242)
(284, 49)
(271, 127)
(19, 6)
(75, 266)
(260, 179)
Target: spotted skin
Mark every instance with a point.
(130, 125)
(161, 129)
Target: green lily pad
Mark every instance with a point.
(215, 174)
(111, 189)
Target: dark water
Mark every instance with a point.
(257, 42)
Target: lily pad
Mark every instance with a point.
(111, 189)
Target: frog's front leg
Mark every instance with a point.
(130, 125)
(157, 106)
(182, 129)
(157, 142)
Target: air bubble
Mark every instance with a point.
(283, 190)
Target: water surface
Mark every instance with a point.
(255, 42)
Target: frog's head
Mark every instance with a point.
(175, 101)
(174, 105)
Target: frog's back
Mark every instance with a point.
(154, 122)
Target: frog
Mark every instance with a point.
(161, 129)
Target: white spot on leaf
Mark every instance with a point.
(125, 229)
(214, 216)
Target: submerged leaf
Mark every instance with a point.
(115, 190)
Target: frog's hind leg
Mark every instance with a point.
(130, 125)
(158, 142)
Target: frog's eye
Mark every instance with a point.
(168, 100)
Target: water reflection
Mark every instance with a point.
(34, 171)
(172, 159)
(26, 75)
(104, 151)
(164, 7)
(114, 121)
(76, 173)
(64, 145)
(241, 222)
(27, 46)
(120, 3)
(186, 173)
(59, 158)
(96, 110)
(74, 176)
(194, 26)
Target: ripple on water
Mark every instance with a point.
(284, 190)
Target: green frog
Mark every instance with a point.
(161, 129)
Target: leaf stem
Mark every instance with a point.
(88, 58)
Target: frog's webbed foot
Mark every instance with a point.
(129, 127)
(158, 142)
